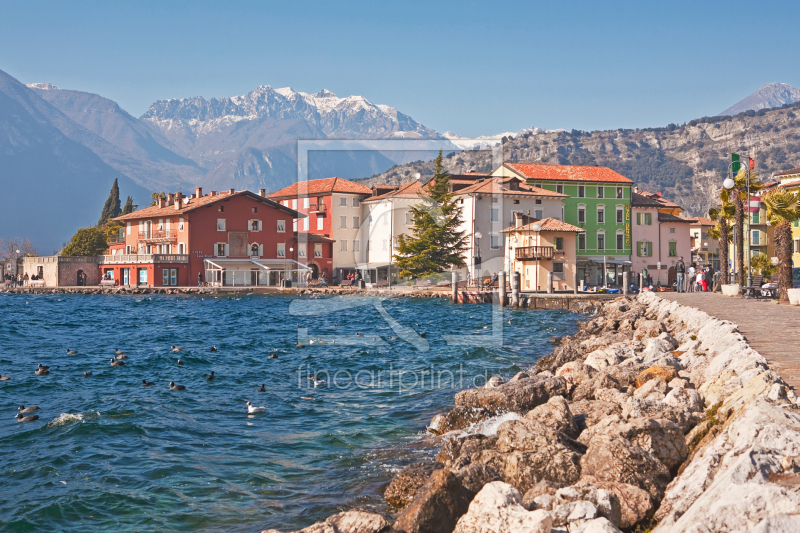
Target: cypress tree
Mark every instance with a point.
(112, 207)
(129, 207)
(435, 243)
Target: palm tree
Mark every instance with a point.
(722, 215)
(738, 196)
(783, 207)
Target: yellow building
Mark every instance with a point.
(790, 179)
(534, 254)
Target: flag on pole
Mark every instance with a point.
(755, 204)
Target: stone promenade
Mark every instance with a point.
(771, 329)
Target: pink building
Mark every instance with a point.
(660, 236)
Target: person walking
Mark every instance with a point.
(199, 279)
(700, 280)
(680, 269)
(690, 277)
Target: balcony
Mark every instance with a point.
(318, 208)
(117, 236)
(143, 258)
(156, 236)
(527, 253)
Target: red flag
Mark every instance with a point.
(751, 163)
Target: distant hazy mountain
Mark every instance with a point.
(768, 96)
(52, 180)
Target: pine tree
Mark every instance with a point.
(129, 207)
(435, 243)
(111, 208)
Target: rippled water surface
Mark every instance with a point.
(109, 454)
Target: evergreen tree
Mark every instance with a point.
(129, 207)
(435, 243)
(111, 208)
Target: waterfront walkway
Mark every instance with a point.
(771, 329)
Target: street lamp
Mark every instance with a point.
(729, 184)
(476, 260)
(537, 228)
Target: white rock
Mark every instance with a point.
(497, 508)
(782, 523)
(583, 510)
(677, 383)
(688, 399)
(603, 358)
(611, 395)
(598, 525)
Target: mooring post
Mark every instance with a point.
(454, 286)
(501, 287)
(549, 283)
(515, 283)
(625, 283)
(575, 284)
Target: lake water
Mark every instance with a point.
(109, 454)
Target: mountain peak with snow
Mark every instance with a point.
(768, 96)
(43, 86)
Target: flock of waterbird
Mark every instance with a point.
(118, 361)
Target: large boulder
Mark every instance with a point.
(475, 475)
(602, 358)
(641, 408)
(587, 413)
(646, 329)
(516, 396)
(542, 488)
(403, 487)
(603, 380)
(561, 355)
(460, 417)
(497, 509)
(654, 389)
(684, 398)
(666, 373)
(613, 458)
(453, 448)
(575, 372)
(353, 521)
(636, 504)
(661, 438)
(606, 502)
(437, 505)
(555, 414)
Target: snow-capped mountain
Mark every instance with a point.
(769, 95)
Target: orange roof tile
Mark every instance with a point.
(499, 185)
(195, 203)
(409, 189)
(323, 186)
(566, 173)
(702, 221)
(547, 224)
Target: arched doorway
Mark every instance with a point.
(81, 282)
(314, 271)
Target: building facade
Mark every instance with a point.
(705, 250)
(332, 209)
(597, 201)
(790, 179)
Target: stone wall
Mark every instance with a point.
(68, 273)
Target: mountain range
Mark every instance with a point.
(61, 149)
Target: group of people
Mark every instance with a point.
(693, 279)
(19, 280)
(352, 278)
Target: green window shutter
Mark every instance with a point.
(639, 249)
(648, 219)
(638, 219)
(673, 249)
(649, 248)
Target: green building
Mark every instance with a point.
(599, 202)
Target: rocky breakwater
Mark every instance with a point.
(652, 416)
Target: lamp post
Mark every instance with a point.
(537, 228)
(477, 255)
(729, 184)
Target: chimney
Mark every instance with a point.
(231, 191)
(162, 202)
(198, 192)
(170, 199)
(178, 198)
(262, 192)
(213, 193)
(192, 196)
(517, 219)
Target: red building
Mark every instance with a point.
(332, 207)
(226, 238)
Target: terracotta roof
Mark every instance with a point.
(657, 197)
(789, 172)
(640, 200)
(547, 224)
(703, 221)
(196, 203)
(323, 186)
(566, 173)
(499, 185)
(410, 189)
(666, 217)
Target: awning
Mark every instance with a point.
(244, 264)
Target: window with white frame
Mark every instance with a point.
(356, 202)
(281, 249)
(281, 226)
(320, 223)
(495, 215)
(601, 214)
(343, 222)
(356, 222)
(494, 242)
(672, 230)
(318, 250)
(601, 240)
(558, 270)
(560, 188)
(128, 248)
(356, 245)
(128, 227)
(181, 224)
(619, 192)
(581, 241)
(160, 226)
(254, 225)
(343, 201)
(796, 246)
(581, 191)
(343, 245)
(221, 249)
(220, 224)
(601, 192)
(620, 240)
(620, 214)
(306, 223)
(305, 203)
(756, 238)
(581, 214)
(294, 224)
(409, 218)
(255, 250)
(286, 203)
(294, 203)
(301, 250)
(538, 213)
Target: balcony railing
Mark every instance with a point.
(158, 235)
(534, 252)
(117, 236)
(319, 208)
(144, 258)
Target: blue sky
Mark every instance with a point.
(474, 68)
